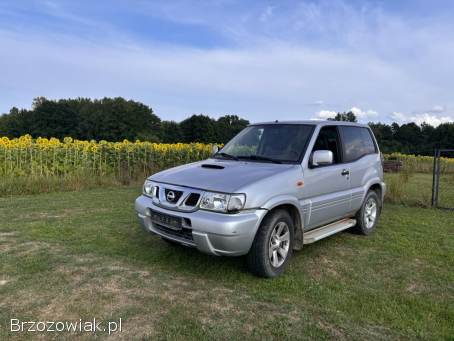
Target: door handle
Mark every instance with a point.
(345, 172)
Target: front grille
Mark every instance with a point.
(176, 197)
(193, 199)
(182, 234)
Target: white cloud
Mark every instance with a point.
(325, 114)
(266, 70)
(260, 82)
(399, 117)
(437, 109)
(363, 115)
(429, 118)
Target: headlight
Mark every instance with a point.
(236, 202)
(221, 202)
(148, 188)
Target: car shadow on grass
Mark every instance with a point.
(175, 258)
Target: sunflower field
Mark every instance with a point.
(26, 157)
(42, 157)
(38, 165)
(420, 163)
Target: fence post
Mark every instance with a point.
(436, 177)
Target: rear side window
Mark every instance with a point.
(357, 143)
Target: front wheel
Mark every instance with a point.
(367, 216)
(273, 244)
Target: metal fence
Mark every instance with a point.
(442, 183)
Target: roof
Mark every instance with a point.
(314, 122)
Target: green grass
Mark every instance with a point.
(24, 185)
(72, 255)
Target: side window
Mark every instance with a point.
(328, 139)
(357, 143)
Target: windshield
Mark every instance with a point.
(278, 143)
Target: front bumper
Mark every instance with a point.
(210, 232)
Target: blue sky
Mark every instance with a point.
(263, 60)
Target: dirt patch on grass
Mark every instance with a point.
(332, 330)
(415, 288)
(91, 286)
(5, 235)
(323, 266)
(3, 281)
(24, 248)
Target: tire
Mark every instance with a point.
(367, 216)
(267, 257)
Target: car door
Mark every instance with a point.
(360, 154)
(326, 188)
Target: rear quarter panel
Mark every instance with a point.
(364, 173)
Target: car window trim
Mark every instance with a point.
(374, 140)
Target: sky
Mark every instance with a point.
(262, 60)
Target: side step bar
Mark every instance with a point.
(325, 231)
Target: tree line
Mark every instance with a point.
(113, 119)
(116, 119)
(408, 138)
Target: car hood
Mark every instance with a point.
(219, 175)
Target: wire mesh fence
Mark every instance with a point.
(410, 179)
(442, 181)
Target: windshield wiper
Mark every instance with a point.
(262, 158)
(233, 157)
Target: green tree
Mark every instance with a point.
(116, 119)
(53, 119)
(228, 126)
(410, 138)
(111, 119)
(198, 128)
(384, 135)
(344, 116)
(170, 132)
(16, 123)
(443, 136)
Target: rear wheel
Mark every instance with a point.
(273, 244)
(367, 216)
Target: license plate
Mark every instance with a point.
(166, 220)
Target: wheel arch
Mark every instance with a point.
(377, 187)
(291, 206)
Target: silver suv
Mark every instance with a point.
(273, 188)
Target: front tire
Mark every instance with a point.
(367, 216)
(273, 245)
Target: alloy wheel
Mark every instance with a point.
(279, 244)
(370, 212)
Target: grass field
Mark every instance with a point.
(415, 189)
(72, 255)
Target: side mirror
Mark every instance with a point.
(322, 158)
(215, 149)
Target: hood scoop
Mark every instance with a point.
(207, 165)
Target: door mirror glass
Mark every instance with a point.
(322, 158)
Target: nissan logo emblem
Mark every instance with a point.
(170, 196)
